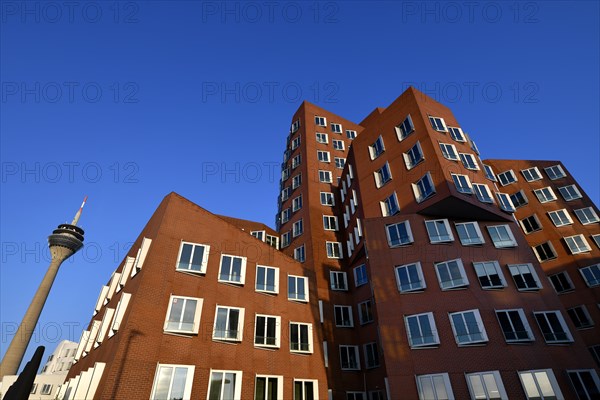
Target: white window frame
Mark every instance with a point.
(296, 161)
(330, 223)
(46, 389)
(560, 320)
(502, 242)
(239, 329)
(449, 151)
(119, 314)
(580, 317)
(539, 255)
(204, 262)
(322, 138)
(327, 196)
(309, 329)
(346, 311)
(410, 159)
(336, 128)
(368, 316)
(527, 220)
(510, 313)
(387, 204)
(267, 268)
(570, 192)
(295, 143)
(360, 278)
(591, 275)
(243, 261)
(285, 239)
(267, 319)
(405, 128)
(545, 194)
(320, 121)
(410, 286)
(330, 248)
(333, 279)
(462, 183)
(379, 175)
(522, 271)
(519, 199)
(339, 162)
(418, 342)
(433, 231)
(423, 379)
(560, 217)
(403, 240)
(300, 254)
(296, 180)
(296, 294)
(323, 156)
(482, 192)
(489, 173)
(469, 240)
(461, 283)
(438, 124)
(577, 244)
(297, 228)
(187, 391)
(268, 394)
(507, 177)
(338, 144)
(420, 196)
(237, 389)
(485, 269)
(505, 202)
(457, 134)
(593, 376)
(286, 213)
(297, 203)
(532, 377)
(555, 172)
(586, 215)
(325, 176)
(531, 174)
(303, 382)
(561, 282)
(351, 134)
(197, 313)
(483, 380)
(479, 321)
(376, 148)
(469, 161)
(348, 350)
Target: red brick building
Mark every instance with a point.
(401, 274)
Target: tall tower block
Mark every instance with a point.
(64, 241)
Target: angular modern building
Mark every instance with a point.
(397, 271)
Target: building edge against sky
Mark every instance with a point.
(402, 272)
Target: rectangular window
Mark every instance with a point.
(297, 203)
(439, 231)
(377, 148)
(502, 236)
(338, 144)
(260, 235)
(285, 174)
(560, 217)
(296, 181)
(285, 215)
(223, 385)
(295, 143)
(193, 257)
(519, 199)
(183, 314)
(320, 121)
(591, 275)
(457, 134)
(505, 202)
(553, 327)
(327, 199)
(409, 278)
(390, 205)
(229, 323)
(405, 128)
(486, 385)
(298, 288)
(469, 233)
(336, 128)
(272, 241)
(451, 274)
(587, 215)
(322, 138)
(46, 389)
(268, 387)
(233, 269)
(525, 277)
(267, 279)
(399, 234)
(482, 191)
(545, 195)
(468, 327)
(596, 239)
(507, 177)
(301, 340)
(334, 249)
(360, 275)
(323, 156)
(119, 313)
(172, 382)
(285, 239)
(580, 317)
(423, 188)
(421, 330)
(330, 223)
(561, 282)
(413, 156)
(514, 326)
(299, 254)
(349, 357)
(285, 193)
(489, 274)
(449, 151)
(343, 316)
(462, 183)
(267, 330)
(577, 244)
(540, 384)
(434, 387)
(469, 161)
(305, 389)
(545, 251)
(325, 176)
(296, 161)
(530, 224)
(295, 126)
(338, 280)
(438, 124)
(350, 134)
(555, 172)
(489, 172)
(371, 352)
(297, 228)
(570, 192)
(339, 162)
(383, 175)
(531, 174)
(365, 312)
(586, 383)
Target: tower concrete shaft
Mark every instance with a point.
(65, 241)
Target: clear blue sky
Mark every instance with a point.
(128, 101)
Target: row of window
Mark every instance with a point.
(586, 216)
(546, 195)
(45, 390)
(537, 385)
(335, 127)
(577, 244)
(175, 382)
(533, 174)
(562, 282)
